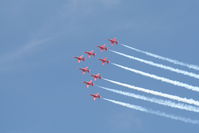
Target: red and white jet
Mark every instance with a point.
(95, 96)
(113, 41)
(103, 47)
(80, 58)
(97, 76)
(85, 70)
(89, 83)
(104, 61)
(90, 53)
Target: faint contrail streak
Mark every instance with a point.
(156, 93)
(195, 67)
(155, 100)
(190, 74)
(163, 79)
(158, 113)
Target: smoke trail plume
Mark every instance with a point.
(163, 79)
(158, 113)
(156, 93)
(155, 100)
(190, 74)
(190, 66)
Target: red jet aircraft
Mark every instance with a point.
(80, 58)
(103, 47)
(113, 41)
(95, 96)
(89, 83)
(97, 76)
(104, 61)
(85, 70)
(90, 53)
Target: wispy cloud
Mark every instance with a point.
(124, 121)
(23, 51)
(107, 3)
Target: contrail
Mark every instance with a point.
(155, 100)
(163, 79)
(156, 93)
(190, 74)
(195, 67)
(158, 113)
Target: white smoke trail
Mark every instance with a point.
(158, 113)
(190, 74)
(156, 93)
(163, 79)
(195, 67)
(155, 100)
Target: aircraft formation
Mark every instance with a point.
(86, 70)
(156, 97)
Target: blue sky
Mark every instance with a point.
(41, 87)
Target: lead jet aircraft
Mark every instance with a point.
(113, 41)
(89, 83)
(90, 53)
(95, 96)
(103, 47)
(85, 70)
(104, 61)
(80, 58)
(96, 76)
